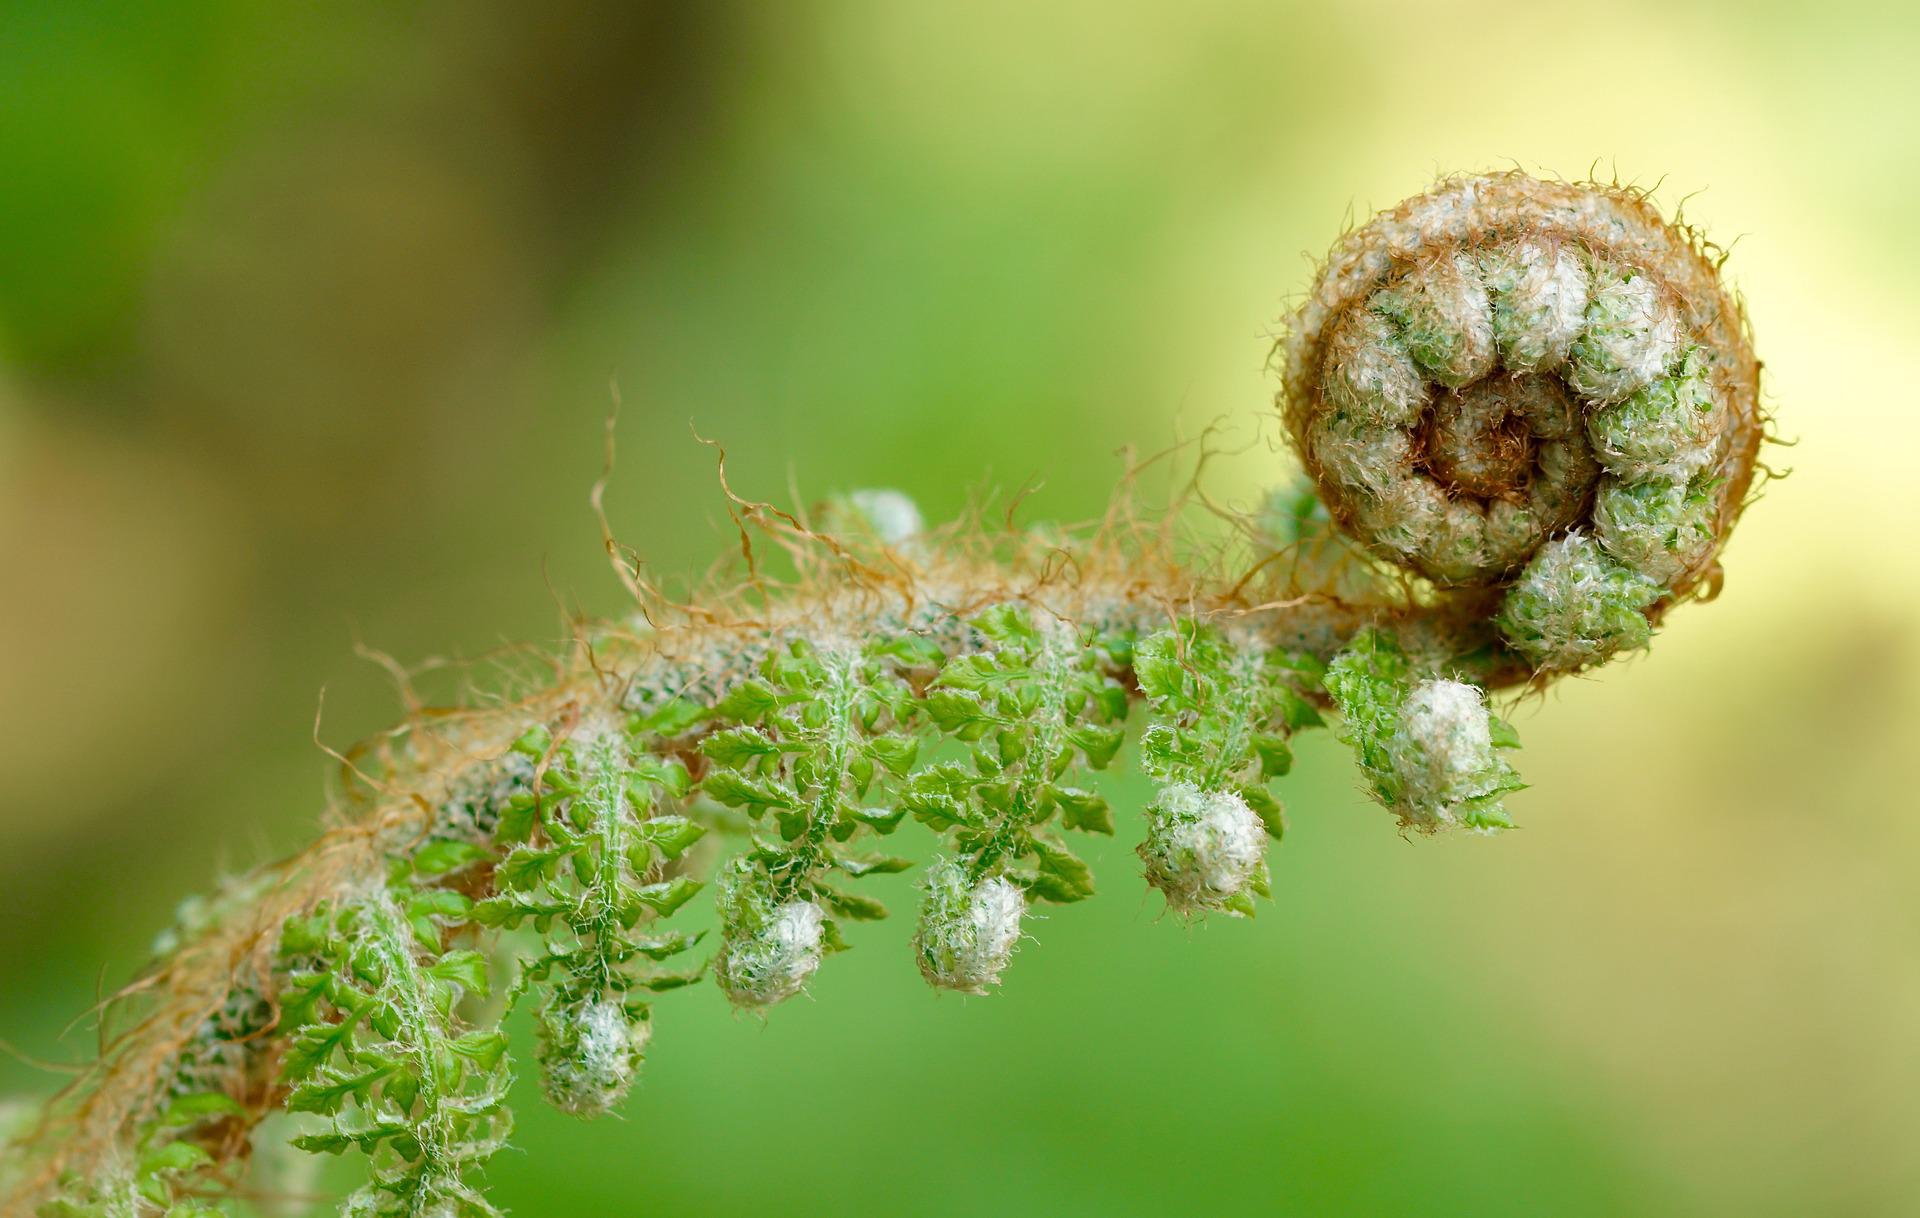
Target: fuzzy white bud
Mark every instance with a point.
(589, 1054)
(967, 931)
(892, 515)
(1444, 743)
(1203, 848)
(770, 951)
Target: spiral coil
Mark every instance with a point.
(1535, 386)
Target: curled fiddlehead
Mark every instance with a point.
(1529, 416)
(1534, 389)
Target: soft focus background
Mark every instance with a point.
(307, 321)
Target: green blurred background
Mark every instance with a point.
(307, 320)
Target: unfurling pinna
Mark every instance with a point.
(1528, 413)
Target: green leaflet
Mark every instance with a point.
(802, 746)
(1222, 713)
(168, 1167)
(1035, 702)
(822, 750)
(378, 1049)
(1369, 682)
(588, 878)
(1428, 747)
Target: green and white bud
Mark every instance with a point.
(1443, 748)
(1502, 363)
(1574, 606)
(1205, 850)
(1668, 428)
(1362, 457)
(1445, 319)
(590, 1053)
(968, 930)
(1539, 294)
(769, 950)
(1370, 376)
(1659, 528)
(1632, 336)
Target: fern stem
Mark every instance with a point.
(1529, 417)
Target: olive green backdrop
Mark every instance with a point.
(307, 323)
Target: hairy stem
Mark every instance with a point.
(1529, 416)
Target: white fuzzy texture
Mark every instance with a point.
(1445, 318)
(476, 798)
(968, 931)
(893, 515)
(795, 939)
(1443, 481)
(1402, 518)
(1667, 429)
(1444, 744)
(1539, 294)
(1463, 441)
(591, 1056)
(776, 962)
(1370, 376)
(1658, 528)
(995, 915)
(1631, 338)
(1456, 548)
(1364, 457)
(1574, 605)
(606, 1042)
(1203, 848)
